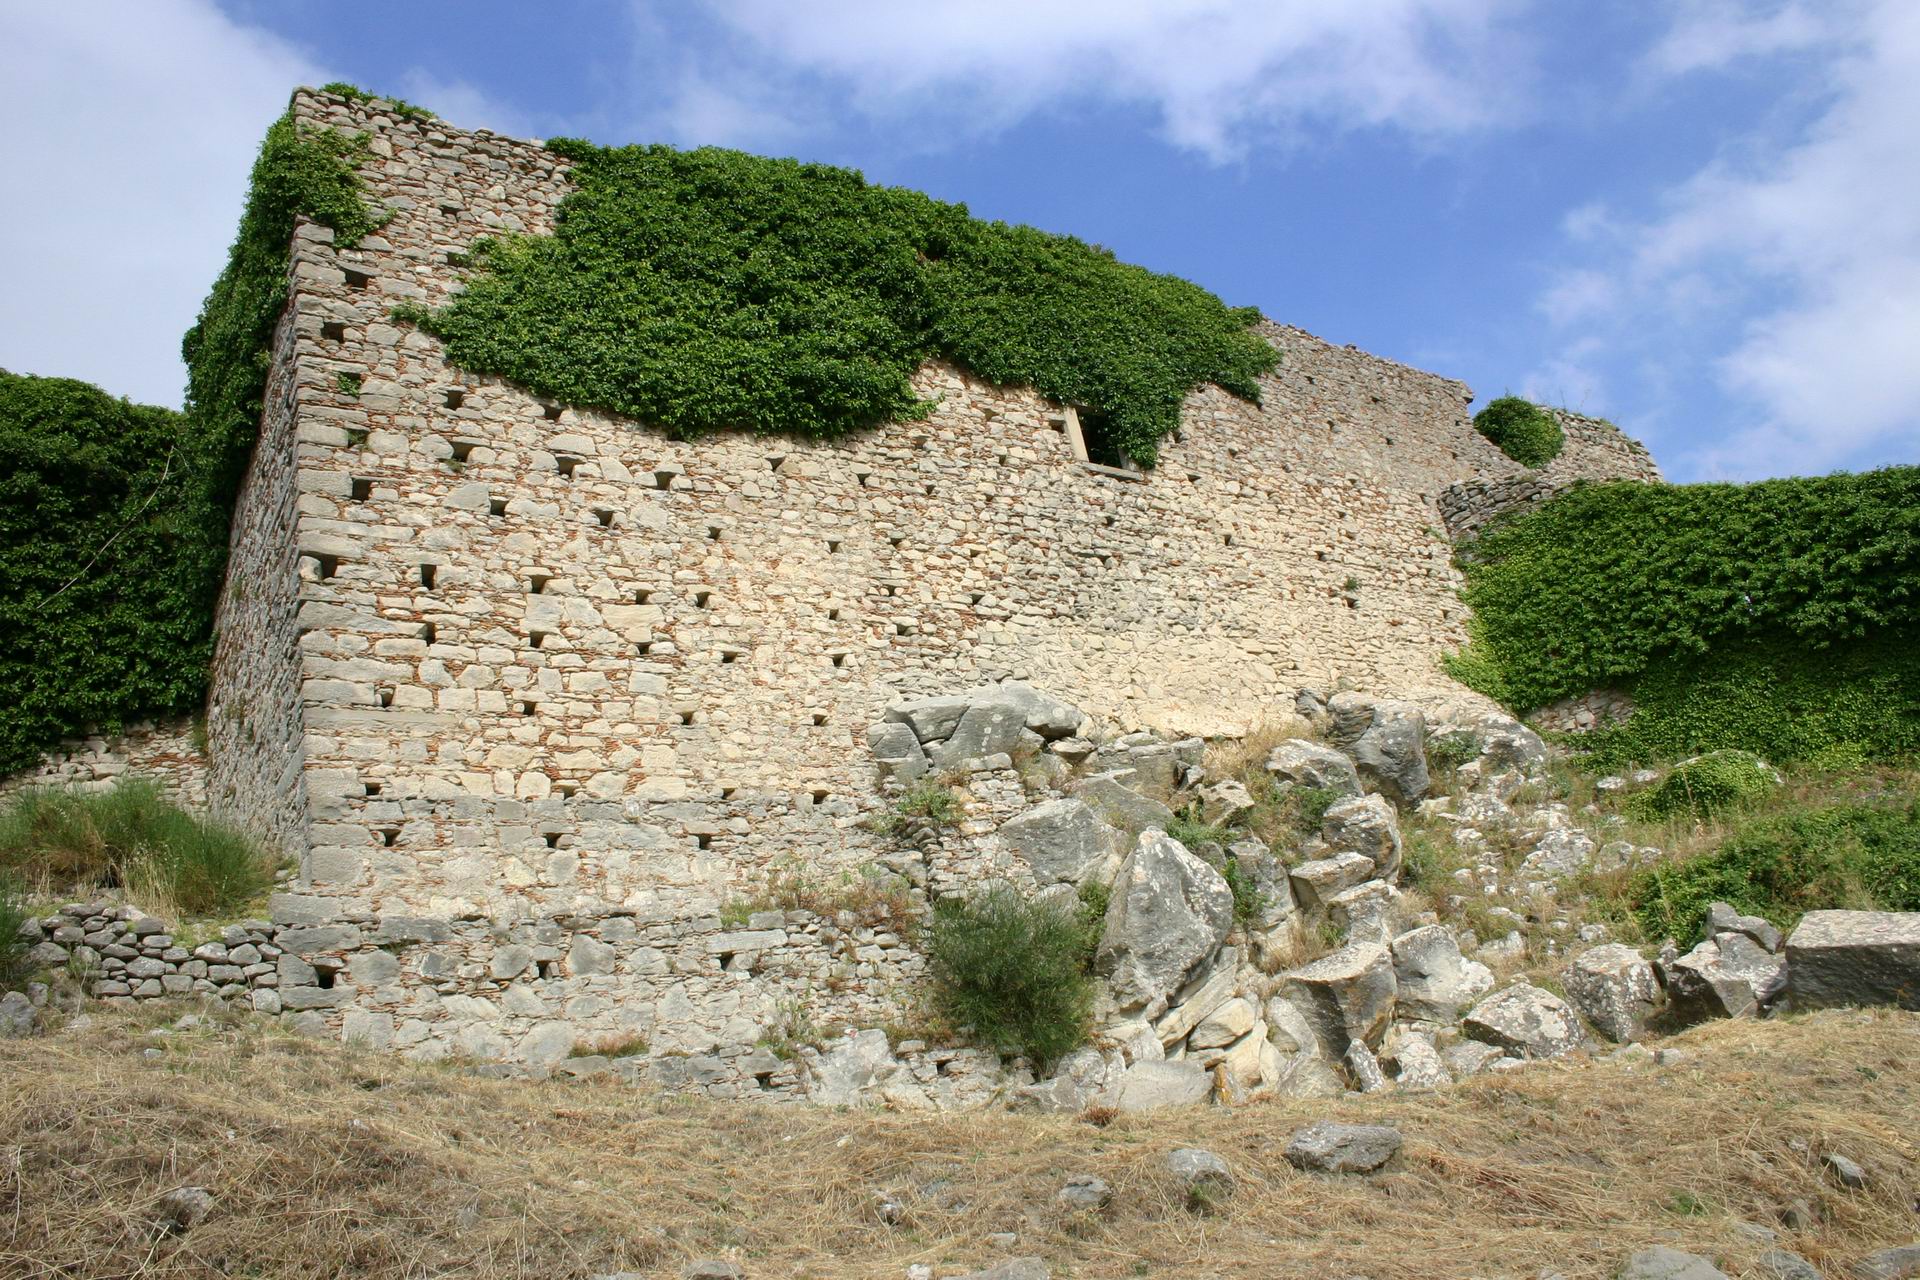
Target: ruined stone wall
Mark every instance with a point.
(169, 753)
(254, 728)
(1594, 449)
(576, 697)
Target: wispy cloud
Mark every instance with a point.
(131, 126)
(1789, 267)
(1222, 76)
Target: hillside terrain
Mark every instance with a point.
(324, 1161)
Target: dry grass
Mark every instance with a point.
(1246, 756)
(327, 1162)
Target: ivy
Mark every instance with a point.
(115, 515)
(709, 290)
(1522, 430)
(1779, 617)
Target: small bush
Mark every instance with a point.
(131, 837)
(1522, 430)
(926, 804)
(1834, 857)
(1451, 750)
(1013, 970)
(1706, 785)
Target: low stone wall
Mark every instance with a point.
(1589, 711)
(126, 956)
(171, 753)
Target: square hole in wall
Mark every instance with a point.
(729, 656)
(642, 594)
(462, 449)
(386, 696)
(429, 632)
(428, 572)
(388, 835)
(819, 719)
(537, 583)
(551, 411)
(833, 615)
(565, 464)
(605, 516)
(497, 507)
(664, 479)
(357, 279)
(839, 659)
(643, 647)
(328, 565)
(553, 839)
(703, 842)
(821, 795)
(334, 331)
(975, 597)
(536, 639)
(528, 708)
(727, 793)
(565, 790)
(833, 547)
(895, 540)
(861, 477)
(362, 489)
(686, 717)
(455, 398)
(713, 533)
(371, 788)
(700, 599)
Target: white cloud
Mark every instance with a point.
(465, 104)
(1805, 252)
(1222, 75)
(130, 128)
(1710, 34)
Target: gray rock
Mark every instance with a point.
(1854, 958)
(1145, 1086)
(1061, 840)
(1525, 1021)
(1074, 1086)
(1902, 1263)
(1041, 713)
(1309, 1076)
(1331, 1147)
(1364, 1069)
(16, 1016)
(1345, 996)
(1387, 742)
(1317, 881)
(1225, 1024)
(897, 750)
(1614, 986)
(1169, 911)
(712, 1269)
(1085, 1193)
(931, 719)
(842, 1076)
(1722, 918)
(1470, 1058)
(1120, 805)
(1310, 764)
(1559, 853)
(183, 1208)
(1199, 1170)
(1662, 1263)
(1784, 1264)
(1223, 801)
(1028, 1268)
(1434, 981)
(1733, 977)
(1847, 1173)
(1415, 1063)
(1365, 824)
(986, 729)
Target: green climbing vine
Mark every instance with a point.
(709, 290)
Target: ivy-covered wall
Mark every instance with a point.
(1778, 616)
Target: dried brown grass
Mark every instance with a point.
(326, 1161)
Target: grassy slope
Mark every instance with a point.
(326, 1161)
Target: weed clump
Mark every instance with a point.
(1706, 785)
(131, 837)
(1522, 430)
(1013, 969)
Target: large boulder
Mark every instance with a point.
(16, 1016)
(1614, 986)
(897, 750)
(1731, 976)
(1148, 1085)
(1061, 840)
(1345, 996)
(1042, 713)
(1900, 1263)
(1112, 796)
(986, 729)
(1854, 958)
(1317, 881)
(1526, 1022)
(1156, 766)
(1310, 764)
(1435, 982)
(1365, 824)
(1387, 742)
(931, 719)
(1169, 911)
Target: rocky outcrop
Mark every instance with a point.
(1386, 741)
(1062, 841)
(1169, 912)
(1346, 996)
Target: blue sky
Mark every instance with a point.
(1700, 218)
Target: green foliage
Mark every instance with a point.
(348, 382)
(1311, 805)
(134, 838)
(1776, 616)
(709, 290)
(927, 801)
(1707, 785)
(1522, 430)
(1248, 900)
(1452, 749)
(13, 948)
(106, 555)
(1013, 970)
(1858, 857)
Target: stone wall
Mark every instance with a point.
(1594, 449)
(170, 753)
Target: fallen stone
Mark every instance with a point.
(1203, 1174)
(1662, 1263)
(1145, 1086)
(1085, 1193)
(1222, 802)
(1120, 806)
(1346, 996)
(985, 729)
(711, 1269)
(1434, 981)
(1847, 1173)
(1364, 1070)
(1061, 840)
(183, 1208)
(1331, 1147)
(1224, 1025)
(1525, 1021)
(16, 1016)
(931, 719)
(897, 750)
(1367, 825)
(1040, 713)
(1722, 918)
(1854, 958)
(1784, 1264)
(1169, 911)
(1902, 1263)
(1012, 1269)
(1733, 977)
(1614, 986)
(1386, 741)
(1310, 764)
(1316, 881)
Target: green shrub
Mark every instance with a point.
(1013, 970)
(1834, 857)
(711, 290)
(131, 837)
(1522, 430)
(13, 948)
(1707, 785)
